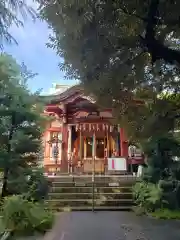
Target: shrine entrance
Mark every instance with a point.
(91, 145)
(80, 137)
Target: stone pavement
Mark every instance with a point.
(112, 226)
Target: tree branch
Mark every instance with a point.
(124, 10)
(156, 48)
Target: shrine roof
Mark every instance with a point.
(72, 95)
(60, 96)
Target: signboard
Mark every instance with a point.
(117, 164)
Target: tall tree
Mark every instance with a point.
(113, 39)
(21, 126)
(118, 49)
(12, 12)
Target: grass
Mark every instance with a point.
(159, 213)
(166, 214)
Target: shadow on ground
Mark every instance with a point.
(112, 226)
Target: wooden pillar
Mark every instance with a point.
(94, 154)
(46, 159)
(47, 145)
(85, 147)
(64, 162)
(107, 144)
(80, 143)
(123, 143)
(69, 150)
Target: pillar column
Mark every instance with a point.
(47, 146)
(123, 143)
(107, 144)
(64, 144)
(69, 150)
(80, 142)
(93, 156)
(85, 148)
(46, 157)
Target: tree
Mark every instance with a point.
(21, 127)
(11, 10)
(112, 39)
(152, 116)
(119, 49)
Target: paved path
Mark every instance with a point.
(112, 226)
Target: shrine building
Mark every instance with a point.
(80, 127)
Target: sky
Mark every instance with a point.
(32, 50)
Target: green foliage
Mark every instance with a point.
(23, 217)
(33, 185)
(161, 153)
(105, 40)
(147, 195)
(110, 46)
(171, 193)
(154, 117)
(38, 186)
(21, 127)
(166, 214)
(10, 12)
(161, 176)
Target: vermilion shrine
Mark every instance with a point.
(79, 125)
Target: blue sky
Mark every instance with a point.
(32, 50)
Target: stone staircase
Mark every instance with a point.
(79, 193)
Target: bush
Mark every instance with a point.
(24, 217)
(38, 186)
(31, 183)
(166, 214)
(171, 193)
(147, 196)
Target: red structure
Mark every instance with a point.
(80, 127)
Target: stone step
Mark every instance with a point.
(89, 208)
(88, 202)
(87, 195)
(75, 193)
(90, 184)
(88, 189)
(83, 178)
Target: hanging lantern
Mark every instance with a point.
(80, 127)
(107, 127)
(89, 127)
(77, 127)
(84, 127)
(93, 127)
(97, 127)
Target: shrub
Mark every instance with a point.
(24, 217)
(32, 184)
(147, 195)
(38, 186)
(166, 214)
(170, 193)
